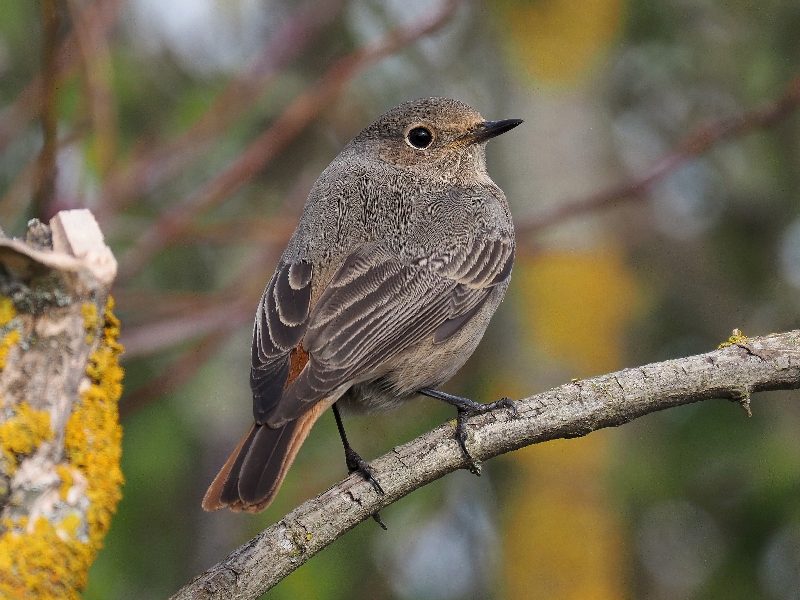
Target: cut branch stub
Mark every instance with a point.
(60, 381)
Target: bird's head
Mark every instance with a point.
(436, 135)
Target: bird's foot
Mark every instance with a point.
(356, 463)
(467, 408)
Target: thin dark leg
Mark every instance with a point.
(467, 408)
(356, 463)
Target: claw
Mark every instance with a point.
(467, 408)
(509, 404)
(379, 521)
(461, 437)
(356, 463)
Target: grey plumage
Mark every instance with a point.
(400, 258)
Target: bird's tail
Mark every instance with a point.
(250, 478)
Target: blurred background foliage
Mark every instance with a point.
(194, 129)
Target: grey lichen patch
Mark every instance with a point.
(39, 294)
(286, 541)
(292, 541)
(39, 235)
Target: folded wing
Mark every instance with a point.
(378, 305)
(281, 321)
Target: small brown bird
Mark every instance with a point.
(402, 254)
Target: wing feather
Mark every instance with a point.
(280, 323)
(377, 305)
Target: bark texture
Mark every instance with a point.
(740, 367)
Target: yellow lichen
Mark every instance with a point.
(37, 562)
(7, 311)
(64, 472)
(93, 436)
(737, 338)
(10, 339)
(90, 320)
(46, 560)
(69, 526)
(22, 433)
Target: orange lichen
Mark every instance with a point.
(21, 434)
(47, 560)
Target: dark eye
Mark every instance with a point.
(420, 137)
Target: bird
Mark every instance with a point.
(403, 252)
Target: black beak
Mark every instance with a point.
(489, 129)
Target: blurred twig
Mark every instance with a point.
(18, 193)
(173, 223)
(208, 318)
(27, 105)
(228, 313)
(176, 373)
(572, 410)
(52, 23)
(695, 144)
(95, 59)
(161, 161)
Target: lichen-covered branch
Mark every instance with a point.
(741, 367)
(60, 381)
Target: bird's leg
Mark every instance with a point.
(356, 463)
(467, 408)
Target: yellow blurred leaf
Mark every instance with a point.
(558, 40)
(562, 533)
(578, 305)
(561, 529)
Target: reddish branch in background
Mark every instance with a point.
(173, 224)
(698, 142)
(158, 162)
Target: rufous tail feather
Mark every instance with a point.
(254, 471)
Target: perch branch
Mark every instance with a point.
(571, 410)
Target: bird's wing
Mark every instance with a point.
(377, 305)
(281, 322)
